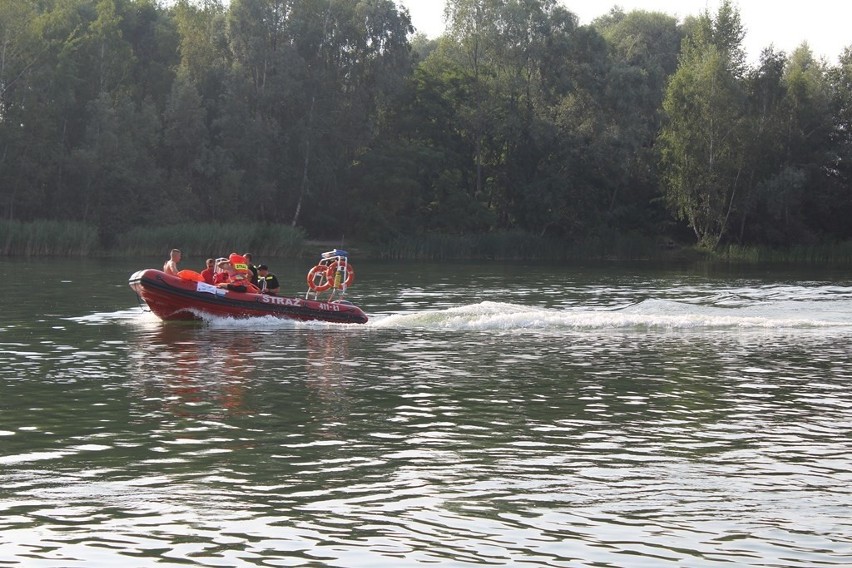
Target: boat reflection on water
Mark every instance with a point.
(329, 374)
(195, 371)
(190, 372)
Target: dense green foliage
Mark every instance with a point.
(331, 117)
(213, 239)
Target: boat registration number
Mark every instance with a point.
(297, 302)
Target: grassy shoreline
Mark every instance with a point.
(69, 239)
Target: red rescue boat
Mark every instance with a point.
(175, 298)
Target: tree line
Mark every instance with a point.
(334, 117)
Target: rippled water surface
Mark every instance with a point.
(487, 414)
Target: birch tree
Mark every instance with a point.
(702, 142)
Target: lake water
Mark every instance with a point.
(488, 414)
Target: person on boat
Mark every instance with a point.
(251, 268)
(238, 277)
(221, 273)
(208, 272)
(171, 265)
(268, 283)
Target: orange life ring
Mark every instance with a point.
(324, 284)
(331, 272)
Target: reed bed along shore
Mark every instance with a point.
(516, 245)
(59, 238)
(837, 254)
(47, 238)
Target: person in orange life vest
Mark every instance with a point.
(171, 265)
(207, 273)
(268, 283)
(226, 277)
(251, 267)
(239, 277)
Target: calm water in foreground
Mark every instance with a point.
(487, 415)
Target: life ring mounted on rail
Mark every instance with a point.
(322, 277)
(331, 273)
(318, 280)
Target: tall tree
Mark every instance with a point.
(702, 142)
(763, 152)
(314, 74)
(21, 60)
(801, 206)
(472, 26)
(840, 168)
(518, 66)
(644, 48)
(114, 167)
